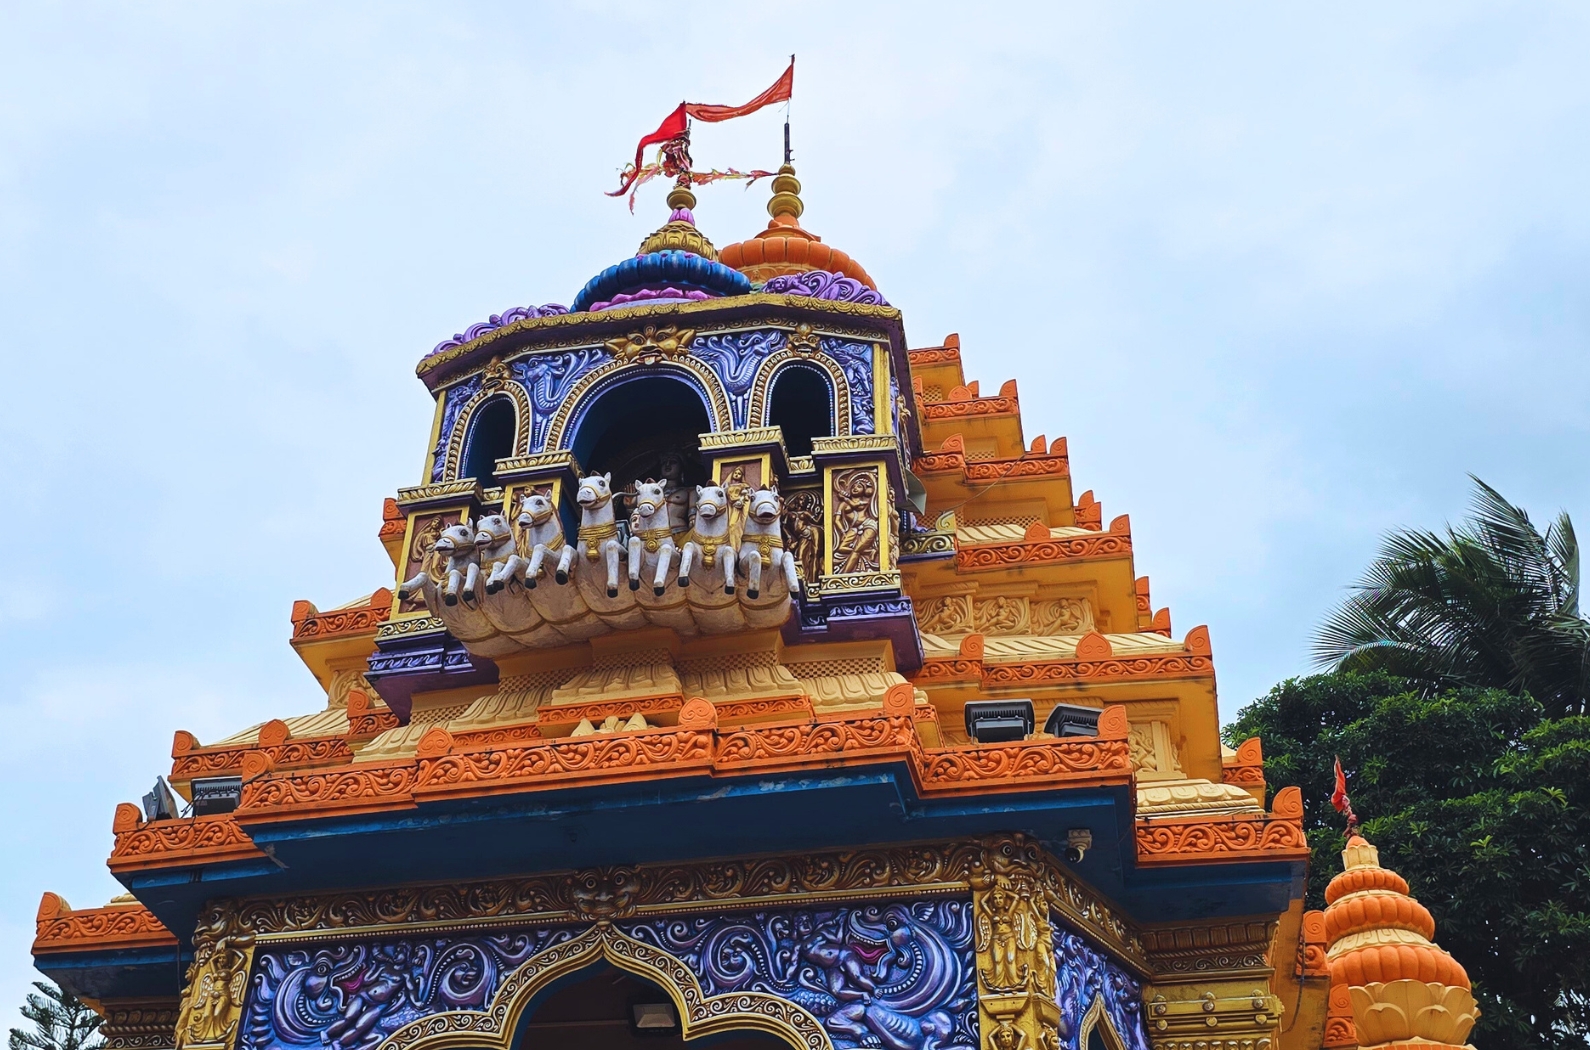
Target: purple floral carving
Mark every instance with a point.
(898, 976)
(496, 321)
(669, 294)
(351, 996)
(821, 284)
(1084, 974)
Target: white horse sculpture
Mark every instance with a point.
(495, 552)
(651, 536)
(460, 569)
(540, 535)
(598, 533)
(762, 544)
(708, 538)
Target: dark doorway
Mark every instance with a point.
(596, 1010)
(802, 405)
(629, 429)
(490, 438)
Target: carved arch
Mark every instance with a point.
(699, 1014)
(1097, 1019)
(521, 422)
(597, 382)
(776, 362)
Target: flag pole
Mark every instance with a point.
(787, 104)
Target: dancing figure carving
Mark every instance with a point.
(762, 545)
(708, 537)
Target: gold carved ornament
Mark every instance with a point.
(803, 524)
(855, 496)
(212, 1003)
(652, 344)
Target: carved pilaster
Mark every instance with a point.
(1211, 987)
(212, 1002)
(1015, 951)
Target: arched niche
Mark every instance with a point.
(493, 428)
(630, 425)
(1098, 1033)
(703, 1020)
(801, 404)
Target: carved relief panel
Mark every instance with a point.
(856, 506)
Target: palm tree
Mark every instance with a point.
(61, 1021)
(1492, 603)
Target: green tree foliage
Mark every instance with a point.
(60, 1022)
(1491, 603)
(1481, 803)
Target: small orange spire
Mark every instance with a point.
(1403, 986)
(785, 247)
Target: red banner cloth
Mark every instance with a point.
(782, 89)
(671, 128)
(1339, 796)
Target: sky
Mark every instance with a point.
(1284, 275)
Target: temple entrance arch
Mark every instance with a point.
(605, 1008)
(630, 427)
(744, 1020)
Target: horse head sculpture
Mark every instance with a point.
(598, 533)
(707, 535)
(651, 535)
(762, 544)
(460, 569)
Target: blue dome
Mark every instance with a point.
(667, 269)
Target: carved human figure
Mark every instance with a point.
(856, 521)
(459, 572)
(739, 492)
(1007, 934)
(708, 536)
(385, 980)
(651, 537)
(803, 524)
(597, 538)
(678, 493)
(762, 544)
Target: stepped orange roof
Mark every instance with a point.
(785, 247)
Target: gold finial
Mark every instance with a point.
(681, 197)
(786, 194)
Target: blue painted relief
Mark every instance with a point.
(735, 357)
(351, 996)
(898, 976)
(1083, 975)
(855, 360)
(456, 398)
(548, 378)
